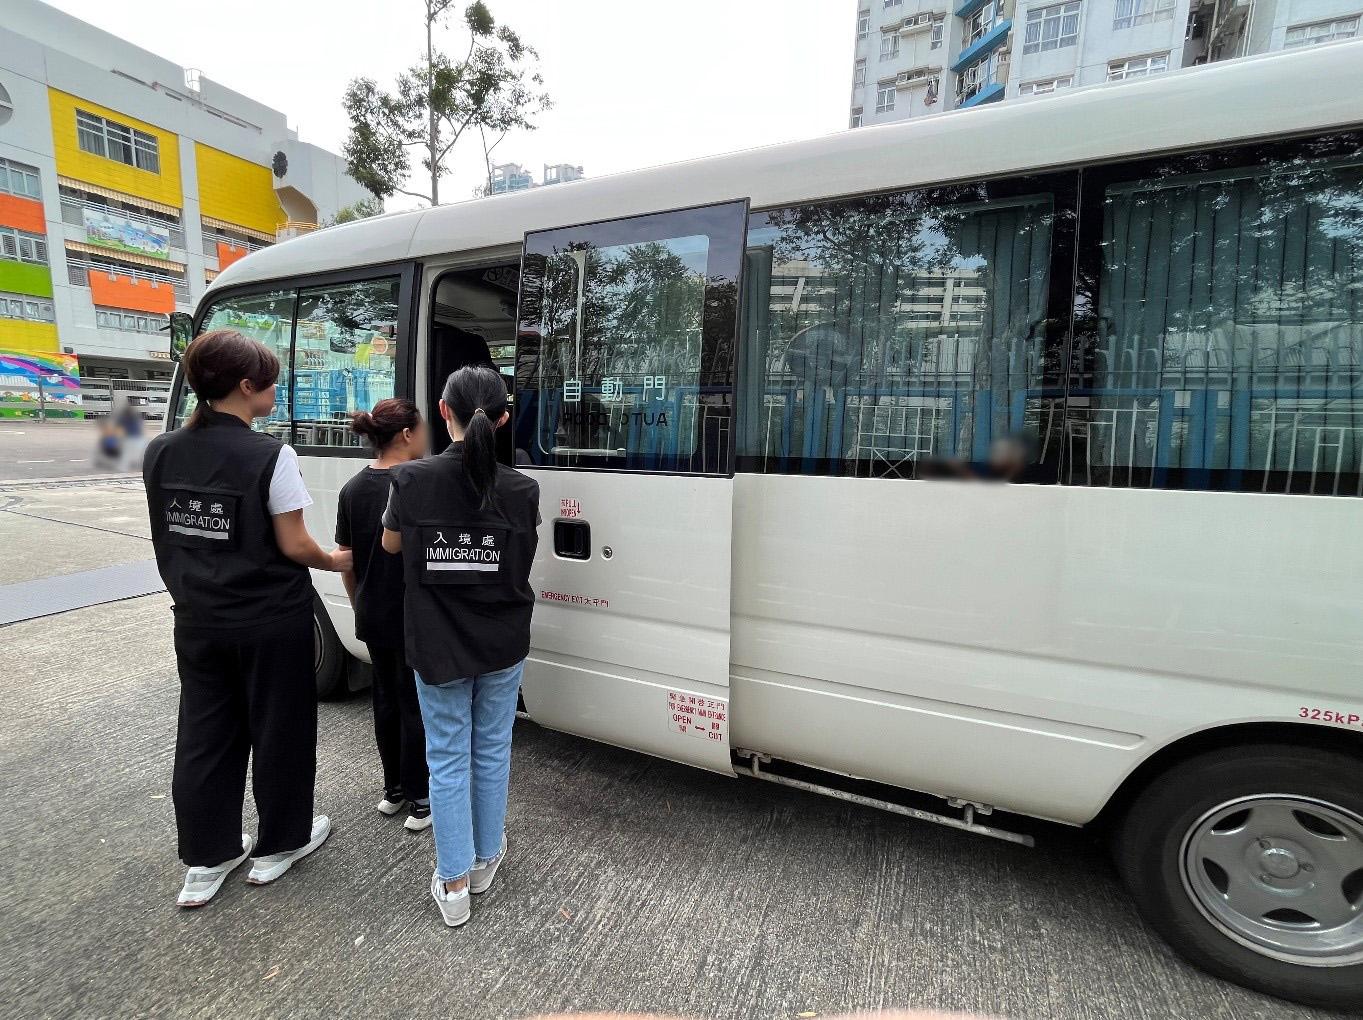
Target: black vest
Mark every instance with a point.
(208, 492)
(467, 571)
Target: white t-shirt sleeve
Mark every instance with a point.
(287, 491)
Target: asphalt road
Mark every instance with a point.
(631, 883)
(53, 449)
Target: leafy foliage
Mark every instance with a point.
(493, 88)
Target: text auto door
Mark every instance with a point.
(625, 390)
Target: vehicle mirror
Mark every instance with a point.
(181, 330)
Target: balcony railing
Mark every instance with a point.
(981, 83)
(77, 271)
(73, 213)
(212, 239)
(293, 228)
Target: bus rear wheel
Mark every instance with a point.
(328, 654)
(1249, 862)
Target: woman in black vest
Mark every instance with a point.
(466, 528)
(397, 434)
(226, 506)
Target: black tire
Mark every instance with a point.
(1149, 848)
(328, 654)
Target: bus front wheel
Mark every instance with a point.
(1249, 862)
(328, 654)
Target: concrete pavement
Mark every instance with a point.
(632, 883)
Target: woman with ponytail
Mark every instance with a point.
(395, 432)
(466, 528)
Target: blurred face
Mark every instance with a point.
(419, 440)
(261, 402)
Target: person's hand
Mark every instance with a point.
(342, 560)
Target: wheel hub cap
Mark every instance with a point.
(1280, 875)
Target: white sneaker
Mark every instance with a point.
(483, 872)
(202, 884)
(267, 869)
(454, 906)
(392, 805)
(418, 817)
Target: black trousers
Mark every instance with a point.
(245, 692)
(398, 729)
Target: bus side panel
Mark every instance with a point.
(618, 638)
(1026, 646)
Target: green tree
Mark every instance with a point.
(361, 210)
(492, 89)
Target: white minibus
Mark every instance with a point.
(1011, 459)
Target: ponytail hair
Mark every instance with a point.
(216, 362)
(382, 425)
(476, 396)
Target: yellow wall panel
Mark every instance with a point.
(73, 161)
(28, 337)
(237, 190)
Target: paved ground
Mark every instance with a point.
(632, 883)
(53, 449)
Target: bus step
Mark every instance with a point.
(754, 769)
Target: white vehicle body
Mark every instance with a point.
(1027, 647)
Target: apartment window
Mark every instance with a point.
(859, 75)
(1052, 28)
(982, 21)
(19, 179)
(889, 46)
(1043, 88)
(1137, 67)
(856, 117)
(884, 98)
(118, 142)
(19, 306)
(1141, 12)
(1322, 32)
(938, 26)
(131, 322)
(863, 24)
(894, 3)
(18, 246)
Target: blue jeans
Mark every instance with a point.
(468, 749)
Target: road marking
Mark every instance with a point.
(78, 460)
(35, 462)
(11, 432)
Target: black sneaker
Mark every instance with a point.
(418, 816)
(393, 802)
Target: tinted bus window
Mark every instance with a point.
(344, 356)
(1220, 336)
(265, 317)
(910, 335)
(626, 342)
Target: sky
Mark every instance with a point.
(635, 82)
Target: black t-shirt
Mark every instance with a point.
(378, 575)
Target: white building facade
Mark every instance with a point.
(922, 57)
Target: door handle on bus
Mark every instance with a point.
(572, 539)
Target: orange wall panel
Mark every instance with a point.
(125, 292)
(229, 253)
(22, 214)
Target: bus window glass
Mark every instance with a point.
(1222, 347)
(904, 336)
(346, 343)
(265, 317)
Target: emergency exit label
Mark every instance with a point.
(704, 718)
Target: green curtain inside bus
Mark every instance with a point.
(898, 335)
(1229, 335)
